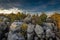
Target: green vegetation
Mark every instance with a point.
(12, 17)
(40, 19)
(19, 16)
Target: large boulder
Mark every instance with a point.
(39, 30)
(30, 28)
(15, 31)
(15, 25)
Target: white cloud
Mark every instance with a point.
(8, 11)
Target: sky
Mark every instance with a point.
(31, 5)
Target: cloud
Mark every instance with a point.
(31, 5)
(8, 11)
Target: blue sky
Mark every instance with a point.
(31, 5)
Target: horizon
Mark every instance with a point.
(16, 10)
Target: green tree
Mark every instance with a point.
(20, 15)
(12, 17)
(43, 17)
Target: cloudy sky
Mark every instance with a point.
(31, 5)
